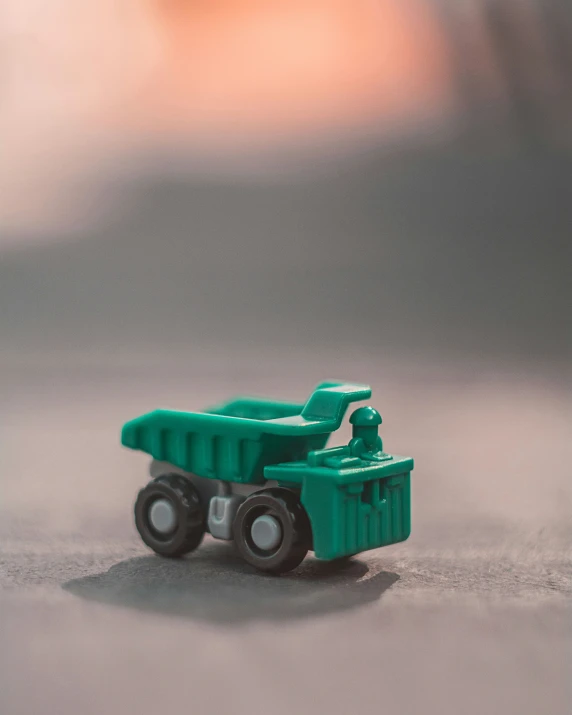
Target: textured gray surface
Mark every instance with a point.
(472, 615)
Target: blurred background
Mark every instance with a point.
(180, 175)
(204, 198)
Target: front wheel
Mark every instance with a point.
(169, 515)
(272, 531)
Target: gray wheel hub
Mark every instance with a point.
(266, 532)
(162, 516)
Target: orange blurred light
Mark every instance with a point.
(87, 82)
(243, 67)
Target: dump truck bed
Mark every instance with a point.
(218, 444)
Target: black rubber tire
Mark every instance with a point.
(190, 526)
(285, 506)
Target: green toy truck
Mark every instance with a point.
(257, 472)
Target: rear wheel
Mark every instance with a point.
(271, 530)
(169, 515)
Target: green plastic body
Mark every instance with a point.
(354, 505)
(355, 499)
(236, 440)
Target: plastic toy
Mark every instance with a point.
(257, 472)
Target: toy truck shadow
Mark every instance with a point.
(214, 584)
(257, 472)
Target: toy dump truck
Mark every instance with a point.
(257, 472)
